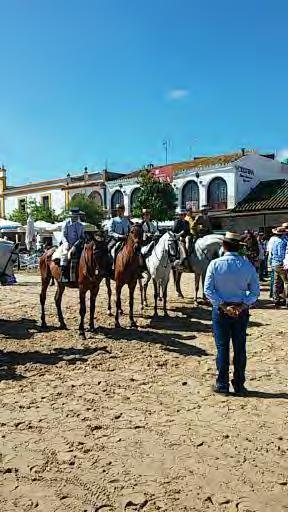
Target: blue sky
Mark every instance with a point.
(89, 81)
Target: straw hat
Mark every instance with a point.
(280, 230)
(145, 210)
(120, 206)
(232, 236)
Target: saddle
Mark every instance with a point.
(146, 251)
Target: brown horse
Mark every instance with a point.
(127, 269)
(93, 267)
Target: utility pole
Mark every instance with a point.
(165, 145)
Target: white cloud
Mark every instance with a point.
(282, 154)
(177, 94)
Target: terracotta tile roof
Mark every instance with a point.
(267, 195)
(203, 161)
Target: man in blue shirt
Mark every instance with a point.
(277, 258)
(231, 285)
(72, 236)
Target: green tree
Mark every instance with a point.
(158, 196)
(37, 211)
(94, 214)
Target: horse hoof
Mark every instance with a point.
(166, 314)
(63, 327)
(82, 335)
(146, 305)
(133, 325)
(117, 325)
(44, 326)
(109, 312)
(121, 312)
(180, 296)
(93, 330)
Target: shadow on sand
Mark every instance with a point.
(9, 360)
(23, 329)
(178, 344)
(263, 394)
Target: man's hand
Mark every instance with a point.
(233, 310)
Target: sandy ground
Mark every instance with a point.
(126, 421)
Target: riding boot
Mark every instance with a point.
(64, 277)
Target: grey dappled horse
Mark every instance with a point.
(9, 255)
(205, 250)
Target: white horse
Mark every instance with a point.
(9, 254)
(159, 265)
(205, 250)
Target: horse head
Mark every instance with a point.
(172, 246)
(96, 258)
(135, 237)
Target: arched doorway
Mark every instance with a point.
(96, 196)
(117, 198)
(217, 194)
(190, 195)
(133, 198)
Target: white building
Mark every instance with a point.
(219, 182)
(56, 193)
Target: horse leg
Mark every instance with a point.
(155, 284)
(132, 287)
(197, 282)
(118, 305)
(58, 300)
(82, 311)
(203, 281)
(178, 285)
(146, 283)
(93, 295)
(109, 291)
(43, 294)
(141, 294)
(159, 292)
(165, 300)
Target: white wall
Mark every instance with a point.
(57, 200)
(262, 169)
(228, 174)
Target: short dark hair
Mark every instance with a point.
(233, 246)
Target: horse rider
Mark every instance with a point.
(118, 229)
(181, 227)
(149, 228)
(202, 224)
(72, 239)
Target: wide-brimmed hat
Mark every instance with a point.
(280, 230)
(181, 211)
(120, 206)
(75, 211)
(145, 210)
(232, 236)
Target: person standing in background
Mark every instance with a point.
(231, 285)
(278, 253)
(261, 245)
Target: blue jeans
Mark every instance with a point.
(226, 328)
